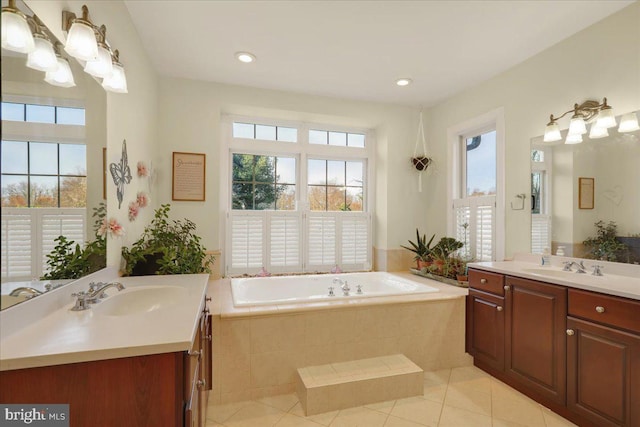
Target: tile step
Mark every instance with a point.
(343, 385)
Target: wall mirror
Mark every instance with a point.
(51, 168)
(573, 186)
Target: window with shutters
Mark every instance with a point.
(541, 162)
(296, 207)
(476, 189)
(44, 186)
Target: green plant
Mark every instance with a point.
(421, 248)
(604, 245)
(445, 247)
(68, 260)
(171, 244)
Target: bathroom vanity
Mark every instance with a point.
(143, 358)
(563, 339)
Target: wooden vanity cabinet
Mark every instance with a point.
(485, 328)
(198, 374)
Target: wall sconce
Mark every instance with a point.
(117, 81)
(43, 57)
(103, 66)
(81, 38)
(62, 75)
(586, 112)
(16, 34)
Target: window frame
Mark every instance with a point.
(493, 119)
(302, 150)
(546, 168)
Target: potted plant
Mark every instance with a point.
(166, 247)
(441, 252)
(604, 246)
(422, 250)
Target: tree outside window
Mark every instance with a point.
(263, 182)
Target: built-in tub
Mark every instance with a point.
(315, 287)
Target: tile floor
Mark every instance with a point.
(460, 397)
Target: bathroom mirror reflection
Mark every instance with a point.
(560, 222)
(51, 172)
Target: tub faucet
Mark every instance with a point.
(25, 290)
(345, 289)
(337, 281)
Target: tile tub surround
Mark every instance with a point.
(257, 350)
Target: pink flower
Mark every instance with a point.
(103, 228)
(143, 171)
(142, 199)
(134, 209)
(110, 227)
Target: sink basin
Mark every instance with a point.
(547, 272)
(140, 300)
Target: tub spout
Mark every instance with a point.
(345, 289)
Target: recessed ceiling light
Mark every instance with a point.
(403, 82)
(245, 57)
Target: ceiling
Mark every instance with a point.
(356, 49)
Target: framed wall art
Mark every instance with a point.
(188, 183)
(586, 188)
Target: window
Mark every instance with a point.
(540, 200)
(296, 209)
(476, 202)
(17, 112)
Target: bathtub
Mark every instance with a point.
(315, 287)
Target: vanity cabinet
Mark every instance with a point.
(166, 389)
(576, 352)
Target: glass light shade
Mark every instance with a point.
(552, 133)
(117, 81)
(62, 76)
(103, 67)
(629, 123)
(573, 139)
(606, 119)
(43, 58)
(16, 34)
(81, 42)
(577, 126)
(598, 132)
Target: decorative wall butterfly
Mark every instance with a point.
(121, 173)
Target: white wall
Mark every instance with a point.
(131, 116)
(600, 61)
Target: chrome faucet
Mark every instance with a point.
(597, 270)
(337, 281)
(84, 299)
(25, 290)
(580, 268)
(345, 289)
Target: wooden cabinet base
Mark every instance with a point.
(131, 391)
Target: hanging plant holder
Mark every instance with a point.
(420, 162)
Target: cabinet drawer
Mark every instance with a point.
(610, 310)
(487, 282)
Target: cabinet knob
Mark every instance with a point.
(208, 337)
(195, 353)
(600, 309)
(201, 384)
(483, 281)
(507, 287)
(207, 299)
(499, 308)
(570, 332)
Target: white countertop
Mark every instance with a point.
(61, 336)
(619, 280)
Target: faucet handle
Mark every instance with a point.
(597, 270)
(79, 294)
(331, 294)
(567, 265)
(359, 289)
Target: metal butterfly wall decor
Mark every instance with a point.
(121, 173)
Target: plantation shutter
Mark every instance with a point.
(247, 235)
(53, 225)
(16, 245)
(321, 241)
(461, 215)
(479, 213)
(284, 234)
(540, 233)
(354, 239)
(485, 216)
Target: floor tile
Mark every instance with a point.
(457, 417)
(470, 378)
(504, 423)
(221, 413)
(400, 422)
(359, 417)
(384, 407)
(255, 415)
(434, 392)
(554, 420)
(518, 410)
(418, 410)
(293, 421)
(212, 424)
(437, 377)
(469, 399)
(284, 402)
(324, 419)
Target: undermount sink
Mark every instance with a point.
(547, 272)
(140, 300)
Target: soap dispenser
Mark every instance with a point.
(546, 257)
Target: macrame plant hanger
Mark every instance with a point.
(420, 163)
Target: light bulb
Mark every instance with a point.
(103, 67)
(16, 34)
(606, 119)
(552, 132)
(598, 132)
(573, 139)
(629, 123)
(81, 41)
(577, 126)
(62, 76)
(117, 81)
(43, 57)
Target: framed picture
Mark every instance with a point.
(585, 193)
(104, 173)
(188, 182)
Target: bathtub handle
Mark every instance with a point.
(359, 289)
(331, 294)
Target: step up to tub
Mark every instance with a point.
(359, 382)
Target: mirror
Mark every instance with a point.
(52, 170)
(575, 186)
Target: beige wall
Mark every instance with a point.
(600, 61)
(132, 116)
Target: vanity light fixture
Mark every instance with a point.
(81, 38)
(117, 81)
(245, 57)
(103, 66)
(629, 123)
(598, 132)
(404, 81)
(43, 57)
(62, 76)
(582, 113)
(16, 34)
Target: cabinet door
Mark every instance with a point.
(603, 374)
(485, 328)
(536, 337)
